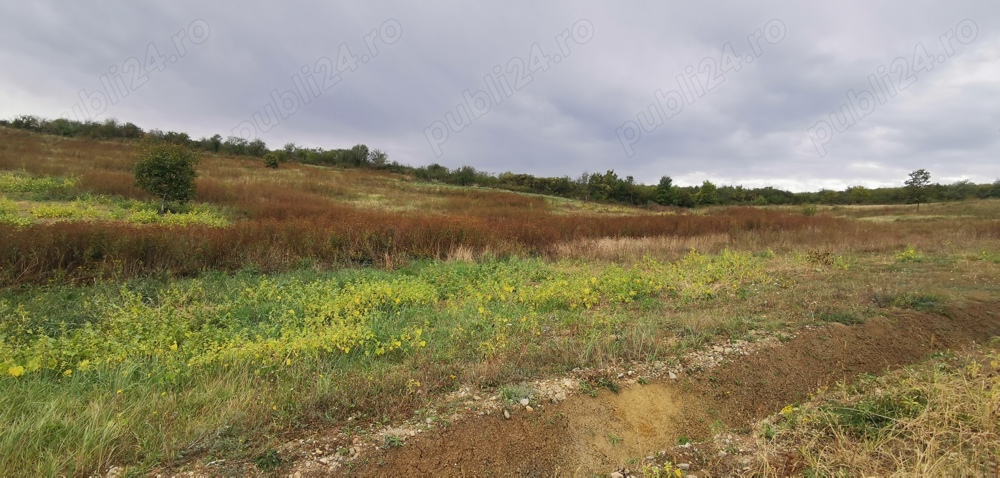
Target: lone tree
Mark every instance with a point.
(916, 187)
(166, 171)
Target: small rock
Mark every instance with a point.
(684, 466)
(528, 409)
(429, 420)
(727, 350)
(672, 376)
(324, 460)
(524, 402)
(506, 414)
(297, 474)
(353, 451)
(477, 397)
(616, 474)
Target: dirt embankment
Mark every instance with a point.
(585, 435)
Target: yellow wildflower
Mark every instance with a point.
(15, 371)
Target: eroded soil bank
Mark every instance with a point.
(586, 435)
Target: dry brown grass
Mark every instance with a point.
(940, 418)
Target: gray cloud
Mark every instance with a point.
(751, 128)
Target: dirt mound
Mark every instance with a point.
(584, 435)
(749, 389)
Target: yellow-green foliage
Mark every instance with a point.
(16, 183)
(265, 324)
(9, 215)
(910, 254)
(200, 216)
(186, 327)
(511, 299)
(74, 210)
(103, 208)
(988, 256)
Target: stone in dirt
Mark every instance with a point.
(524, 402)
(506, 414)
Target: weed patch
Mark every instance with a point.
(908, 300)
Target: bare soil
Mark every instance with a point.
(584, 435)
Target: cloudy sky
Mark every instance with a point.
(792, 94)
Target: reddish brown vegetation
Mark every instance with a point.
(300, 216)
(280, 237)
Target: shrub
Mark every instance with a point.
(271, 160)
(166, 171)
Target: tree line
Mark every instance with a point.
(603, 187)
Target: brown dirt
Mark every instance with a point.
(584, 435)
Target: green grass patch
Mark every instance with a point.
(846, 317)
(254, 353)
(909, 300)
(872, 416)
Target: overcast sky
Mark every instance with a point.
(798, 95)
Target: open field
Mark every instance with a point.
(308, 319)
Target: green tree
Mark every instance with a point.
(858, 194)
(291, 151)
(358, 155)
(215, 143)
(960, 190)
(257, 148)
(666, 195)
(601, 187)
(994, 192)
(707, 194)
(166, 171)
(916, 187)
(235, 145)
(378, 158)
